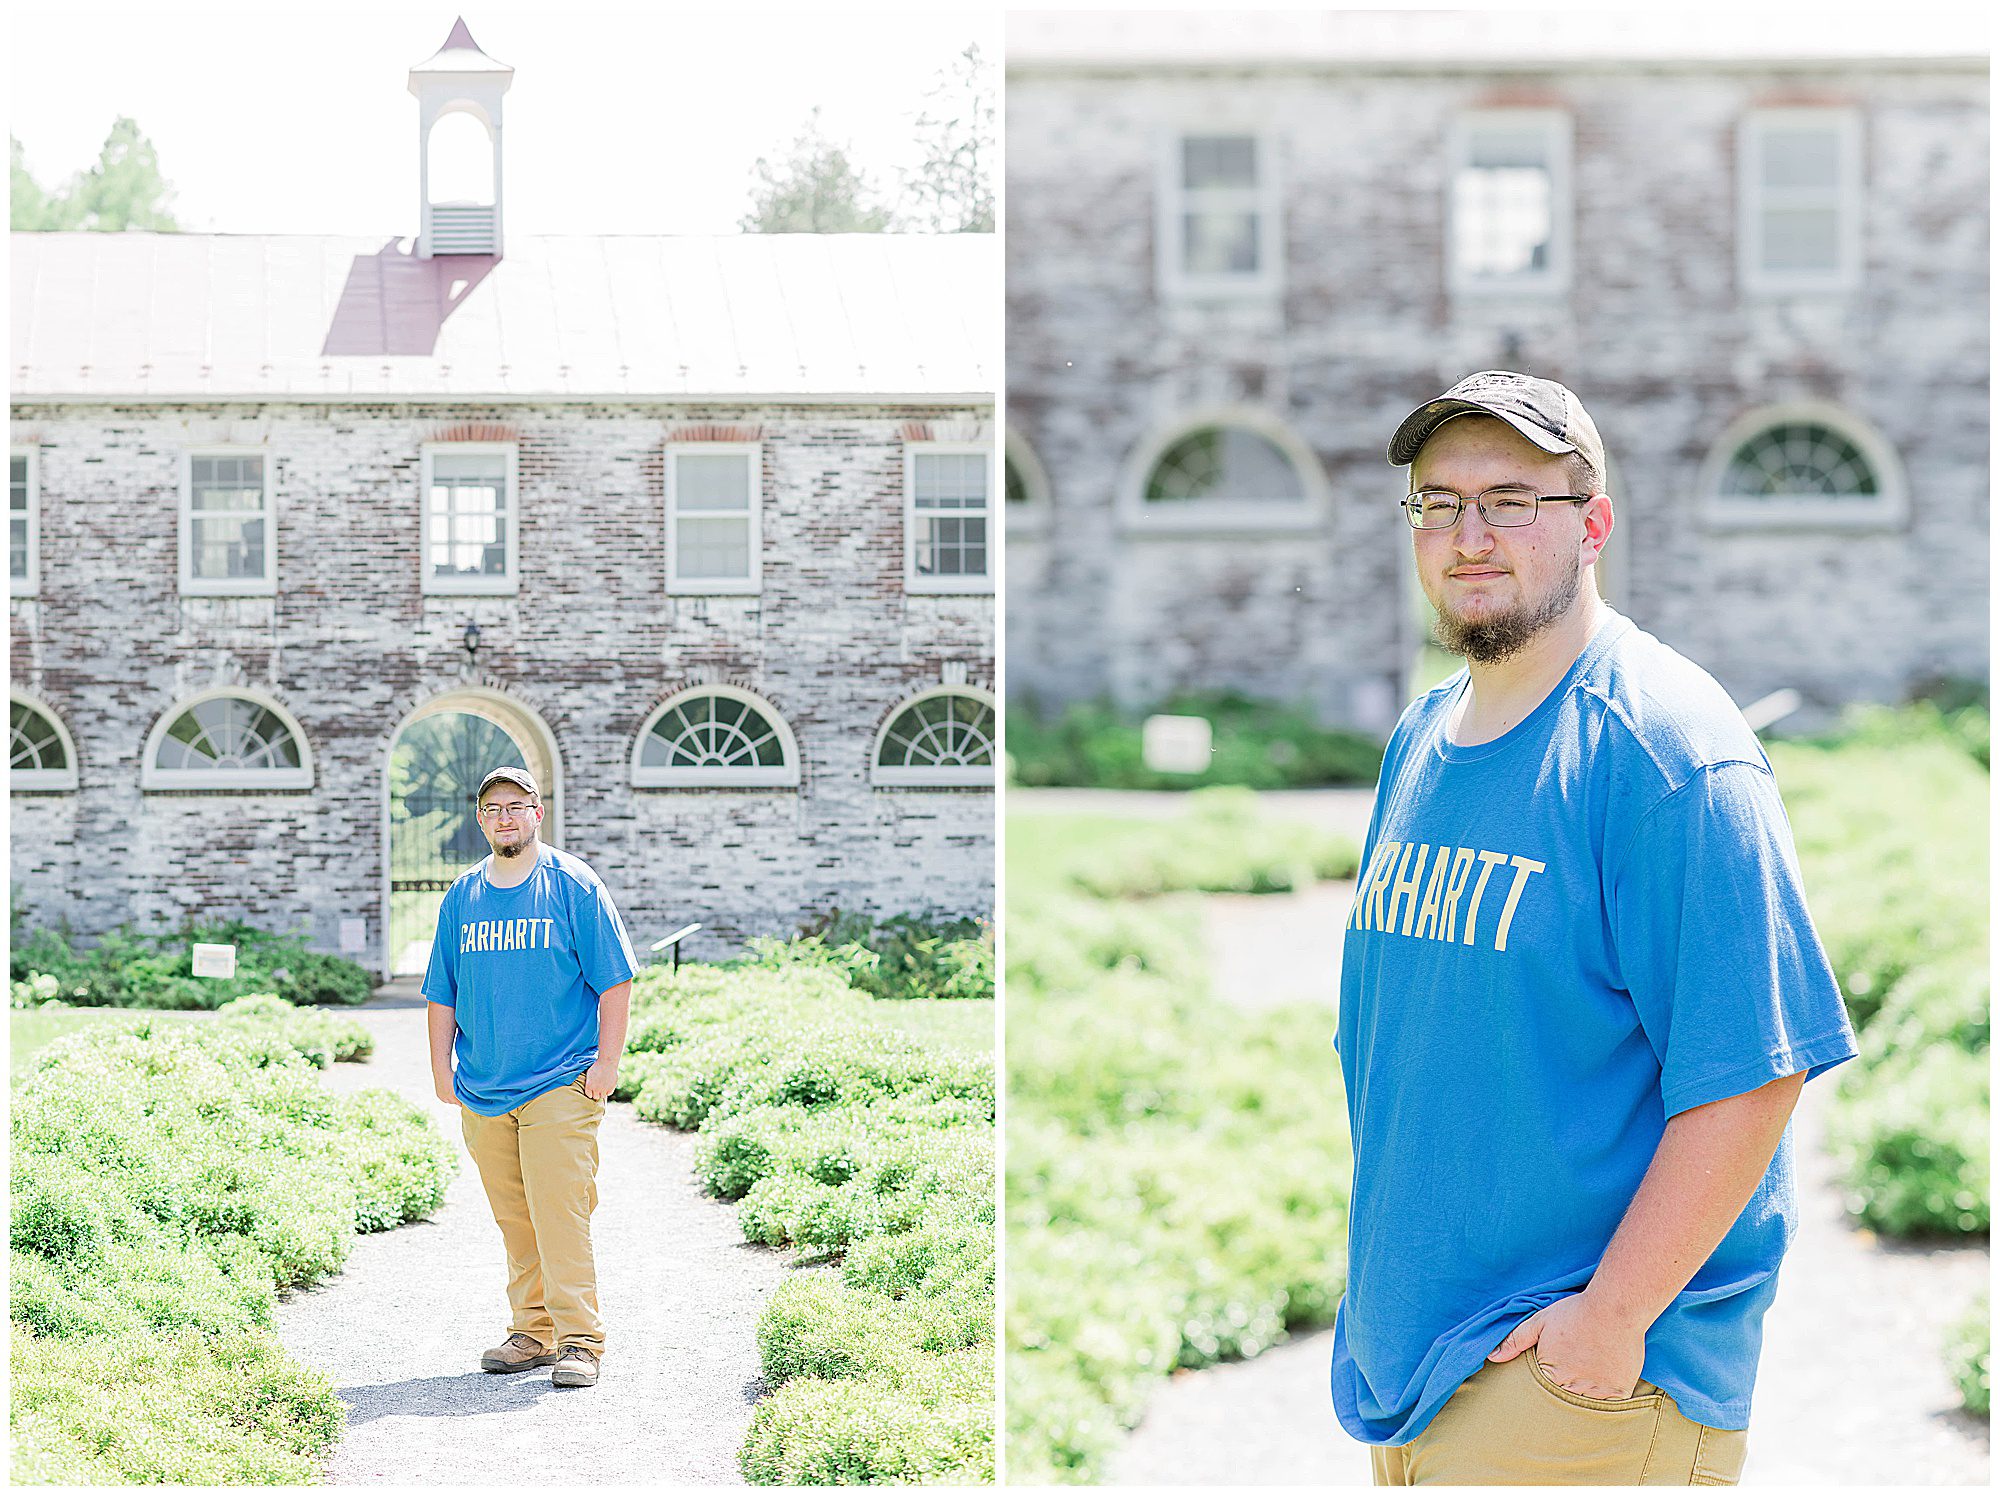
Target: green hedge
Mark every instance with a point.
(168, 1180)
(1152, 1222)
(845, 1139)
(128, 969)
(1890, 817)
(905, 957)
(1258, 744)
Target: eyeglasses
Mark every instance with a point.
(496, 812)
(1504, 508)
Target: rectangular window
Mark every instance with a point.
(227, 529)
(1219, 230)
(471, 523)
(1801, 200)
(945, 516)
(713, 517)
(1509, 210)
(24, 562)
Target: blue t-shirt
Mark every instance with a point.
(524, 967)
(1561, 938)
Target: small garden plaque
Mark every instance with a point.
(214, 960)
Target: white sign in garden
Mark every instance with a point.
(1177, 745)
(214, 960)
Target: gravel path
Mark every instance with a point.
(1851, 1388)
(400, 1331)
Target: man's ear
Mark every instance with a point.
(1597, 525)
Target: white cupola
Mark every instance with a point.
(458, 91)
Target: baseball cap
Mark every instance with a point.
(513, 776)
(1544, 412)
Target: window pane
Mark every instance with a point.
(1503, 218)
(17, 485)
(705, 480)
(1220, 243)
(226, 483)
(949, 480)
(712, 548)
(226, 546)
(712, 732)
(34, 743)
(951, 546)
(1016, 488)
(1799, 459)
(488, 467)
(17, 546)
(940, 732)
(1227, 463)
(1801, 239)
(1219, 161)
(1801, 156)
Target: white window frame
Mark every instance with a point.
(1266, 200)
(660, 776)
(959, 584)
(1751, 203)
(1555, 126)
(717, 586)
(31, 584)
(1889, 508)
(44, 779)
(190, 584)
(471, 586)
(947, 776)
(1212, 516)
(154, 778)
(1032, 517)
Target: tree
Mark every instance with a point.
(124, 190)
(813, 190)
(952, 192)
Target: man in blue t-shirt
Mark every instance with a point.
(530, 987)
(1580, 992)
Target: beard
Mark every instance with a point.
(513, 848)
(1491, 640)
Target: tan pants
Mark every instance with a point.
(539, 1165)
(1511, 1424)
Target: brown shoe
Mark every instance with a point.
(577, 1368)
(517, 1353)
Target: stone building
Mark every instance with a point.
(1241, 247)
(308, 533)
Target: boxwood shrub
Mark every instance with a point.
(130, 969)
(167, 1181)
(869, 1154)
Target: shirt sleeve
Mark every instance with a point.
(603, 953)
(1715, 944)
(440, 981)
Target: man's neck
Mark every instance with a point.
(505, 872)
(1503, 692)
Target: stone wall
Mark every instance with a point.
(1654, 333)
(592, 643)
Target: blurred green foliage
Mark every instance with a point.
(1259, 744)
(1153, 1220)
(1969, 1353)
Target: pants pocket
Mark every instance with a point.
(1644, 1395)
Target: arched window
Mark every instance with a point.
(1231, 470)
(40, 754)
(713, 736)
(1802, 465)
(228, 739)
(942, 737)
(1027, 488)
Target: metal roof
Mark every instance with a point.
(179, 317)
(1501, 39)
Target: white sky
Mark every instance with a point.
(284, 117)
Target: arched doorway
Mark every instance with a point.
(436, 760)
